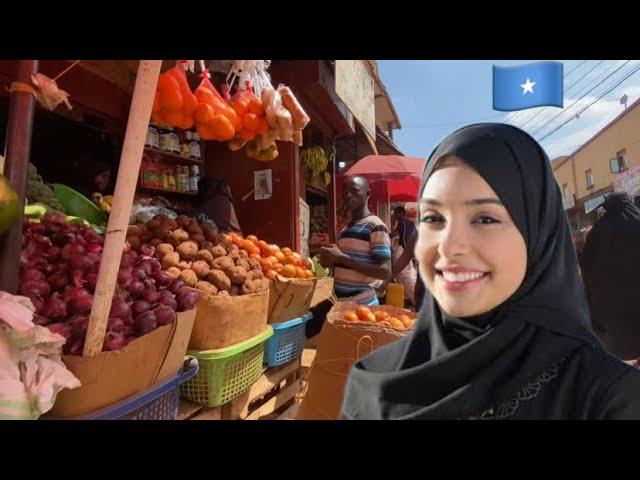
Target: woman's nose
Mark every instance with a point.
(454, 241)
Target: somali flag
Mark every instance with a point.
(528, 86)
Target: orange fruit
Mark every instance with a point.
(231, 115)
(289, 261)
(287, 251)
(204, 95)
(238, 126)
(206, 133)
(255, 250)
(271, 259)
(255, 255)
(253, 238)
(300, 273)
(187, 122)
(381, 315)
(307, 263)
(190, 103)
(265, 264)
(167, 82)
(271, 274)
(255, 107)
(263, 126)
(179, 76)
(278, 267)
(171, 100)
(250, 122)
(363, 312)
(247, 245)
(240, 106)
(238, 241)
(275, 248)
(308, 274)
(247, 134)
(289, 271)
(279, 256)
(203, 113)
(395, 323)
(369, 317)
(222, 127)
(174, 118)
(263, 246)
(384, 323)
(351, 317)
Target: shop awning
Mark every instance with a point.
(388, 167)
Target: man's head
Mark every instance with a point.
(399, 213)
(102, 180)
(355, 193)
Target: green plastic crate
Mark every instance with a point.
(78, 205)
(227, 372)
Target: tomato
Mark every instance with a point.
(351, 317)
(271, 274)
(279, 256)
(253, 238)
(287, 251)
(278, 267)
(248, 245)
(363, 312)
(381, 315)
(300, 273)
(273, 260)
(289, 271)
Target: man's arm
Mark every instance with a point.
(406, 256)
(380, 270)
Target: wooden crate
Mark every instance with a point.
(272, 396)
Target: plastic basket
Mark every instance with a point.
(287, 342)
(78, 205)
(159, 403)
(227, 372)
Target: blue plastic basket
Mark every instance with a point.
(160, 403)
(287, 342)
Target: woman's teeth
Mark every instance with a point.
(461, 277)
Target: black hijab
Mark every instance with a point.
(450, 368)
(610, 267)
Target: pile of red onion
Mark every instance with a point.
(59, 270)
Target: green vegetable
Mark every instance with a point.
(40, 192)
(317, 269)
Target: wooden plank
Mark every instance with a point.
(239, 408)
(186, 409)
(290, 413)
(276, 402)
(135, 136)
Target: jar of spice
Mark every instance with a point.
(153, 137)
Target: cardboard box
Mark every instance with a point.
(111, 377)
(225, 321)
(290, 298)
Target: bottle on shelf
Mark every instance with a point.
(194, 146)
(185, 145)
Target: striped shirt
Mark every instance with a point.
(366, 240)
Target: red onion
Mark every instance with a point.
(124, 277)
(164, 315)
(167, 298)
(140, 274)
(81, 262)
(145, 322)
(40, 287)
(63, 329)
(119, 309)
(53, 253)
(72, 249)
(63, 239)
(147, 266)
(32, 274)
(163, 279)
(136, 288)
(59, 281)
(81, 303)
(55, 308)
(176, 286)
(76, 347)
(187, 300)
(140, 306)
(115, 325)
(92, 281)
(94, 248)
(79, 325)
(155, 265)
(150, 296)
(38, 302)
(34, 227)
(113, 341)
(148, 250)
(40, 320)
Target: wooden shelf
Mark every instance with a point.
(173, 156)
(168, 192)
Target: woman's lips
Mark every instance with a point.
(456, 280)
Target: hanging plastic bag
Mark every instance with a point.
(214, 117)
(174, 103)
(250, 110)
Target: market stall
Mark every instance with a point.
(148, 288)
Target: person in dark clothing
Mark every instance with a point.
(610, 264)
(503, 332)
(216, 202)
(408, 236)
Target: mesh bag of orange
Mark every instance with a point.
(250, 110)
(174, 103)
(214, 117)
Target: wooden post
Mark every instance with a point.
(18, 148)
(332, 203)
(136, 133)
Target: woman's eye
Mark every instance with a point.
(431, 218)
(485, 220)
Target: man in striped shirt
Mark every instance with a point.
(362, 258)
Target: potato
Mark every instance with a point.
(155, 242)
(201, 268)
(178, 236)
(223, 263)
(134, 242)
(189, 277)
(162, 233)
(234, 291)
(233, 255)
(218, 251)
(187, 250)
(238, 275)
(171, 259)
(223, 293)
(168, 223)
(241, 262)
(262, 284)
(207, 288)
(209, 232)
(163, 249)
(154, 223)
(134, 231)
(255, 275)
(204, 255)
(184, 265)
(183, 221)
(248, 287)
(195, 229)
(198, 238)
(219, 279)
(145, 237)
(254, 264)
(174, 272)
(243, 254)
(207, 246)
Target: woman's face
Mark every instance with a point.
(472, 256)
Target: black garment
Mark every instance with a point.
(215, 201)
(406, 228)
(611, 269)
(533, 356)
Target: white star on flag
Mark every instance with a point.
(527, 87)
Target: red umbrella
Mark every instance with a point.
(387, 167)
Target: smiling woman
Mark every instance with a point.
(504, 331)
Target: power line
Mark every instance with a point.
(635, 70)
(562, 112)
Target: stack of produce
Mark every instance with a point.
(316, 161)
(381, 317)
(199, 256)
(59, 271)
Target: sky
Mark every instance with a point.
(434, 98)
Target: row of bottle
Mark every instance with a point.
(185, 180)
(184, 143)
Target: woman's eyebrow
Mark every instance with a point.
(477, 201)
